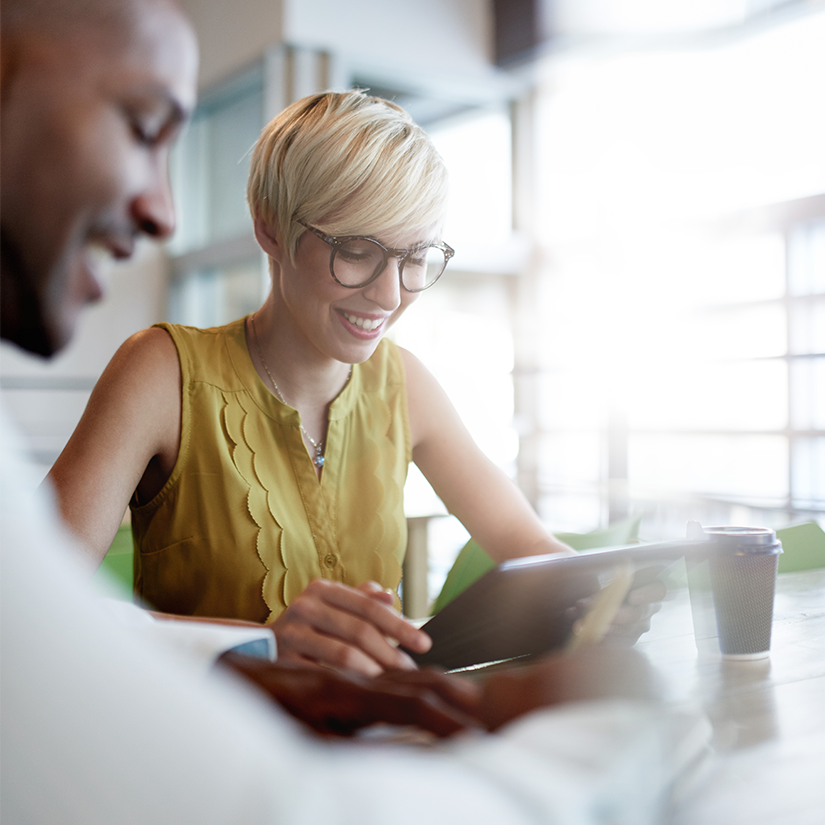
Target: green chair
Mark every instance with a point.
(803, 547)
(472, 562)
(118, 560)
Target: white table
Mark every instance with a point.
(767, 760)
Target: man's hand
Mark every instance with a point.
(346, 628)
(335, 703)
(592, 673)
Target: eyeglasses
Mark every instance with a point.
(356, 261)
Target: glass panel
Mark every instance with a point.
(750, 268)
(569, 400)
(210, 165)
(749, 395)
(569, 458)
(565, 511)
(188, 171)
(808, 395)
(808, 474)
(736, 466)
(476, 148)
(233, 130)
(209, 298)
(746, 332)
(639, 136)
(582, 299)
(807, 325)
(806, 248)
(461, 332)
(676, 314)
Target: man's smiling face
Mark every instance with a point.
(88, 119)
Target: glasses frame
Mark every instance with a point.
(335, 242)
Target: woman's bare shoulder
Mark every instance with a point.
(147, 355)
(414, 369)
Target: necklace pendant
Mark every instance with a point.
(318, 461)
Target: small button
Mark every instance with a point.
(329, 560)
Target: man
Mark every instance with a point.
(100, 724)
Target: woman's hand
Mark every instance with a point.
(633, 617)
(347, 628)
(625, 622)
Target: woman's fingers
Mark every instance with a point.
(652, 593)
(347, 628)
(632, 618)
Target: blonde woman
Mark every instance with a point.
(264, 461)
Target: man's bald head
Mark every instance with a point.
(100, 21)
(63, 15)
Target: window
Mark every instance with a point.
(211, 164)
(680, 365)
(217, 271)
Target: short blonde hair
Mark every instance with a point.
(349, 164)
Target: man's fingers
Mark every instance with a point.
(429, 700)
(455, 690)
(430, 712)
(340, 703)
(590, 673)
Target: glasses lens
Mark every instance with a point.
(423, 268)
(355, 261)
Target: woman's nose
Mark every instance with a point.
(385, 290)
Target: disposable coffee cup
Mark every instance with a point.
(742, 564)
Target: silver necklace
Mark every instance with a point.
(318, 446)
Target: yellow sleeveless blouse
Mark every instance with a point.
(243, 524)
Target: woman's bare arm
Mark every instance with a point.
(487, 503)
(478, 493)
(127, 438)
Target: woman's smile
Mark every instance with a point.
(363, 326)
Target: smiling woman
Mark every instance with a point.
(264, 461)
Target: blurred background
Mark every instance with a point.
(634, 322)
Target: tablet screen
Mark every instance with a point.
(524, 607)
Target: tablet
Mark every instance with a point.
(524, 607)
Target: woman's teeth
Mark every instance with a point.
(367, 324)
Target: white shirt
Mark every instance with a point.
(101, 725)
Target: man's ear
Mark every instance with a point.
(267, 239)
